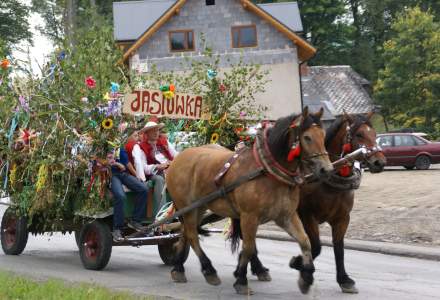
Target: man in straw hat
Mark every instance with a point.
(152, 157)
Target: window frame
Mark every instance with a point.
(186, 31)
(238, 27)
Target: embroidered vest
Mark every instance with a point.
(162, 147)
(129, 148)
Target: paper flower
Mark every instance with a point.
(164, 88)
(90, 82)
(172, 88)
(4, 64)
(26, 135)
(107, 96)
(113, 108)
(107, 123)
(168, 95)
(214, 138)
(24, 104)
(242, 114)
(114, 87)
(93, 123)
(84, 99)
(222, 88)
(211, 74)
(122, 127)
(61, 55)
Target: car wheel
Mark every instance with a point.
(409, 167)
(423, 162)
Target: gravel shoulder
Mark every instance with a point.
(397, 205)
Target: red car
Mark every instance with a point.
(409, 150)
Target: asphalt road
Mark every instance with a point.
(140, 270)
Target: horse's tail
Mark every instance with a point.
(235, 235)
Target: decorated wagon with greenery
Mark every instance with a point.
(57, 128)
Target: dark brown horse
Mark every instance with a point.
(270, 196)
(321, 202)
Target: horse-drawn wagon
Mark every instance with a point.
(92, 233)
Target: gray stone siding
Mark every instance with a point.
(214, 23)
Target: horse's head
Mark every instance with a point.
(299, 140)
(360, 133)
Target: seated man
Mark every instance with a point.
(154, 157)
(142, 171)
(120, 176)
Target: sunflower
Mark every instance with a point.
(107, 123)
(214, 138)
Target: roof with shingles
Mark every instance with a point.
(337, 88)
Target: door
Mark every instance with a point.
(404, 150)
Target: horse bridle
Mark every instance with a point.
(351, 130)
(307, 158)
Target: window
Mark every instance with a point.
(404, 140)
(385, 141)
(210, 2)
(419, 141)
(181, 40)
(244, 36)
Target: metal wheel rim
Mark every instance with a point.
(91, 244)
(424, 161)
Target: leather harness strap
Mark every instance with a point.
(227, 166)
(264, 158)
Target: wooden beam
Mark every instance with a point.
(305, 50)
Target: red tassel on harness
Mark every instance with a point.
(294, 153)
(346, 148)
(344, 171)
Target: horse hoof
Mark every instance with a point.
(213, 279)
(178, 277)
(243, 289)
(304, 287)
(349, 288)
(265, 276)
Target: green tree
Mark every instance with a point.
(14, 25)
(408, 87)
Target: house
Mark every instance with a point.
(337, 89)
(163, 33)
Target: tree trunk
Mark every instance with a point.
(70, 18)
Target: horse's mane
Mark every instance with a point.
(277, 135)
(331, 132)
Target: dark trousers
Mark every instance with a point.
(135, 185)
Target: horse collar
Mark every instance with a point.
(265, 159)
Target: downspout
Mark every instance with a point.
(301, 86)
(300, 80)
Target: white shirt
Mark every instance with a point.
(140, 160)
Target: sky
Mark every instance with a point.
(42, 46)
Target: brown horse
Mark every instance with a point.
(322, 202)
(270, 196)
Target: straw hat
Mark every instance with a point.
(151, 125)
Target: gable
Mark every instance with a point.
(305, 51)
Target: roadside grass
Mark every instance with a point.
(13, 287)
